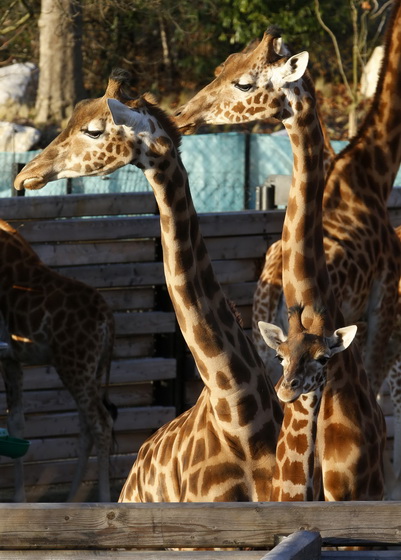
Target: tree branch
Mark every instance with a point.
(336, 48)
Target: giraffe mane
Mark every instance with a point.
(148, 101)
(119, 81)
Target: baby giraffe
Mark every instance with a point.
(304, 354)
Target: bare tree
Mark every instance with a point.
(360, 51)
(60, 59)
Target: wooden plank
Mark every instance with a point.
(63, 254)
(49, 473)
(131, 555)
(247, 222)
(152, 273)
(301, 545)
(137, 346)
(130, 298)
(136, 370)
(117, 275)
(75, 526)
(60, 400)
(91, 229)
(361, 555)
(236, 247)
(145, 323)
(66, 423)
(61, 448)
(141, 250)
(45, 207)
(241, 293)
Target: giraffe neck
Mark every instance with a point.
(226, 359)
(378, 142)
(293, 478)
(305, 276)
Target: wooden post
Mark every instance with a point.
(302, 545)
(16, 168)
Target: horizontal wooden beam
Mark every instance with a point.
(166, 525)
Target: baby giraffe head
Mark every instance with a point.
(304, 353)
(103, 135)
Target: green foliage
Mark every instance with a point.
(171, 45)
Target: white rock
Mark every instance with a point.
(15, 82)
(17, 138)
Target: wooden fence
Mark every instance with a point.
(305, 530)
(112, 242)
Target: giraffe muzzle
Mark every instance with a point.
(32, 183)
(289, 390)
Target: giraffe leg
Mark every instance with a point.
(378, 333)
(84, 448)
(13, 380)
(394, 380)
(96, 425)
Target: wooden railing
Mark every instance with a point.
(144, 531)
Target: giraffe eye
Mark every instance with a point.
(93, 133)
(243, 87)
(279, 358)
(323, 360)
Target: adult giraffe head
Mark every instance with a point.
(102, 135)
(248, 86)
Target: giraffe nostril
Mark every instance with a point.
(294, 383)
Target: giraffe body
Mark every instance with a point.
(349, 448)
(48, 318)
(223, 448)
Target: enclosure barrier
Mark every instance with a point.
(145, 531)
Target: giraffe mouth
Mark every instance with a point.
(189, 128)
(32, 183)
(287, 394)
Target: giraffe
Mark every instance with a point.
(362, 251)
(223, 448)
(240, 93)
(49, 318)
(304, 355)
(393, 367)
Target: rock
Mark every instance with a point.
(17, 138)
(18, 83)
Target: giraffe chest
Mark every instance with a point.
(191, 459)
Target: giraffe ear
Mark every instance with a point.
(294, 68)
(123, 115)
(272, 334)
(341, 339)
